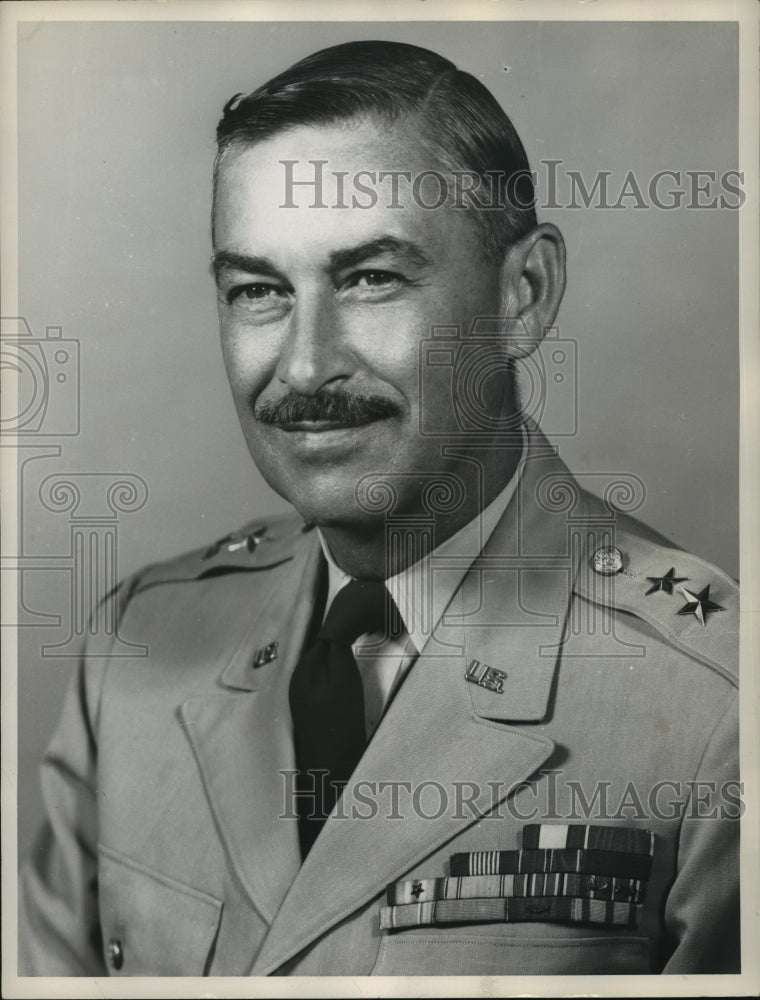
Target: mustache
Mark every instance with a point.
(336, 406)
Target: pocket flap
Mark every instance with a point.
(464, 954)
(153, 925)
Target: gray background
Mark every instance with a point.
(116, 125)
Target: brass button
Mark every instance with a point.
(607, 560)
(115, 953)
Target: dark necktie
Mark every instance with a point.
(327, 703)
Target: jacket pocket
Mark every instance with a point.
(450, 954)
(151, 924)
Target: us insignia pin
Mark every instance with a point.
(266, 654)
(485, 676)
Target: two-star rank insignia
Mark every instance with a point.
(699, 604)
(665, 583)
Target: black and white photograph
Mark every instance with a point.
(380, 498)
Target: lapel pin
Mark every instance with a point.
(665, 583)
(266, 654)
(485, 676)
(699, 604)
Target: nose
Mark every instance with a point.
(314, 352)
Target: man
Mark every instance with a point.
(455, 715)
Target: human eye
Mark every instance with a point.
(258, 297)
(372, 284)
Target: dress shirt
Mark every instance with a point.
(384, 661)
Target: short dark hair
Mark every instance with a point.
(459, 119)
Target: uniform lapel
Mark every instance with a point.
(439, 736)
(516, 597)
(242, 739)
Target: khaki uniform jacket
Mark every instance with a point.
(171, 846)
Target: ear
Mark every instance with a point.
(532, 282)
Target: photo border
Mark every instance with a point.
(746, 14)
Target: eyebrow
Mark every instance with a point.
(231, 260)
(410, 252)
(340, 260)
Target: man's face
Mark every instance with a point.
(322, 312)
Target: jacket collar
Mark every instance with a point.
(242, 739)
(283, 618)
(442, 729)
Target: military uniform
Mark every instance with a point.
(585, 674)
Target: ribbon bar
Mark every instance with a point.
(545, 909)
(624, 890)
(612, 863)
(627, 840)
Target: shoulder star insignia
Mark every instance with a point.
(664, 583)
(699, 604)
(417, 890)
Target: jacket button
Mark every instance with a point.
(607, 560)
(115, 952)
